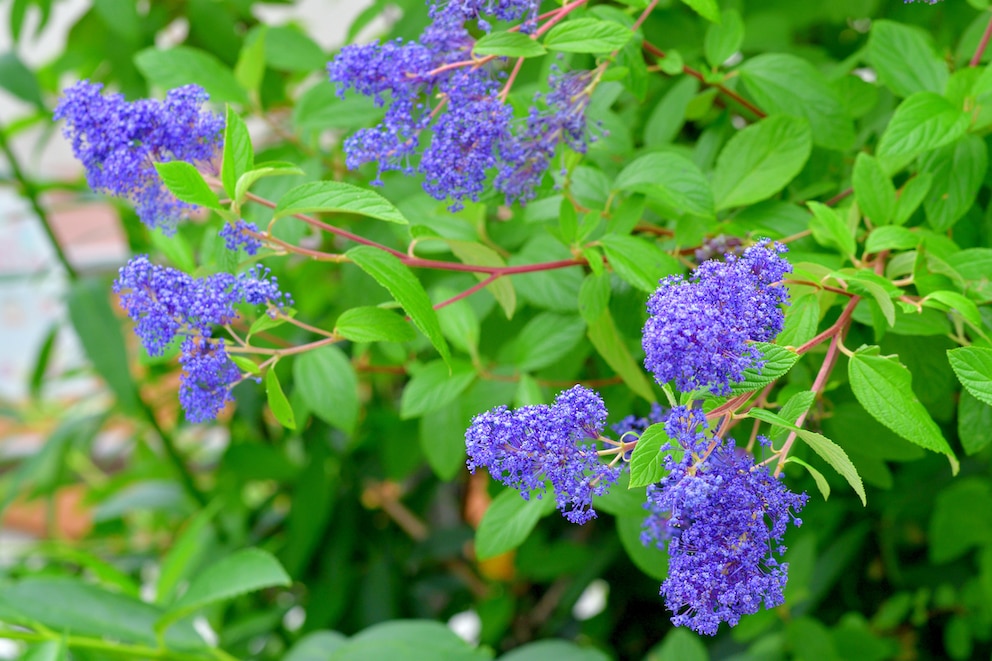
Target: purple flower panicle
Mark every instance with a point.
(236, 237)
(118, 143)
(531, 445)
(699, 330)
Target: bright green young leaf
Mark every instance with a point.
(904, 59)
(784, 84)
(797, 405)
(761, 160)
(821, 482)
(801, 320)
(708, 9)
(190, 547)
(639, 262)
(434, 386)
(723, 39)
(508, 521)
(891, 237)
(884, 387)
(671, 179)
(408, 640)
(246, 365)
(182, 65)
(830, 229)
(442, 439)
(316, 646)
(326, 380)
(668, 117)
(958, 172)
(679, 644)
(587, 35)
(508, 44)
(289, 48)
(911, 196)
(337, 197)
(277, 400)
(873, 190)
(248, 179)
(543, 341)
(606, 339)
(647, 461)
(251, 60)
(543, 650)
(867, 283)
(264, 322)
(922, 122)
(778, 361)
(241, 572)
(371, 324)
(953, 300)
(392, 274)
(185, 182)
(175, 248)
(594, 297)
(239, 156)
(973, 365)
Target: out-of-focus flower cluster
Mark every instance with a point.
(530, 446)
(118, 143)
(437, 82)
(166, 303)
(699, 329)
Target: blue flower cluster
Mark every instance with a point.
(532, 445)
(118, 143)
(166, 303)
(723, 518)
(236, 237)
(699, 329)
(472, 129)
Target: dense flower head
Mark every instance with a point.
(531, 445)
(207, 379)
(699, 329)
(723, 519)
(236, 236)
(636, 424)
(118, 143)
(503, 10)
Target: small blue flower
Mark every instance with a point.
(207, 379)
(236, 237)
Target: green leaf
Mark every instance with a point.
(508, 44)
(244, 571)
(100, 335)
(392, 274)
(649, 559)
(408, 640)
(708, 9)
(264, 322)
(639, 262)
(316, 646)
(892, 237)
(668, 117)
(182, 65)
(784, 84)
(508, 521)
(867, 283)
(830, 229)
(545, 339)
(797, 405)
(778, 361)
(53, 650)
(327, 382)
(239, 157)
(679, 645)
(248, 179)
(250, 67)
(760, 160)
(671, 179)
(587, 35)
(922, 122)
(961, 519)
(594, 297)
(723, 39)
(873, 190)
(545, 650)
(371, 324)
(175, 248)
(821, 482)
(277, 400)
(189, 548)
(477, 254)
(442, 439)
(185, 182)
(958, 172)
(434, 386)
(647, 463)
(904, 59)
(951, 299)
(911, 195)
(974, 422)
(884, 388)
(606, 338)
(19, 80)
(973, 366)
(337, 197)
(801, 320)
(246, 364)
(289, 48)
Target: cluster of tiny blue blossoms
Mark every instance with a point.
(532, 445)
(118, 143)
(237, 236)
(166, 303)
(473, 130)
(699, 330)
(723, 518)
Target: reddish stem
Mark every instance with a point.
(564, 11)
(977, 57)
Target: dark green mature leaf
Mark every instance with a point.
(371, 324)
(606, 338)
(830, 229)
(247, 570)
(649, 559)
(974, 423)
(189, 548)
(392, 274)
(784, 84)
(434, 386)
(183, 65)
(639, 262)
(100, 335)
(508, 521)
(973, 365)
(884, 387)
(904, 59)
(778, 361)
(408, 640)
(961, 519)
(327, 382)
(761, 160)
(671, 179)
(922, 122)
(587, 35)
(239, 156)
(958, 172)
(801, 320)
(680, 645)
(911, 195)
(337, 197)
(187, 184)
(19, 80)
(316, 646)
(544, 340)
(277, 400)
(647, 461)
(545, 650)
(873, 190)
(508, 44)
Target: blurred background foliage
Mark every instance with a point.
(366, 505)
